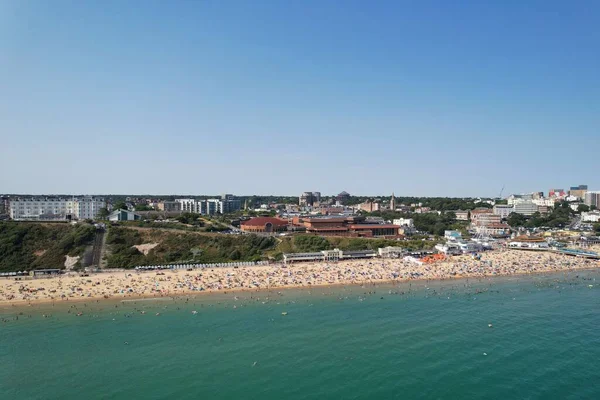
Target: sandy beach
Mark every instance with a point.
(133, 284)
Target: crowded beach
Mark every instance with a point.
(150, 284)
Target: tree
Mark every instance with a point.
(103, 213)
(143, 207)
(597, 228)
(583, 208)
(120, 205)
(515, 219)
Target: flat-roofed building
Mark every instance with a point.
(54, 208)
(503, 210)
(189, 205)
(369, 206)
(210, 206)
(409, 222)
(527, 208)
(461, 215)
(169, 206)
(309, 199)
(478, 212)
(592, 216)
(578, 191)
(592, 198)
(346, 226)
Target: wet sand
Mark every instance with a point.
(135, 285)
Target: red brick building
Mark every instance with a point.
(264, 225)
(345, 226)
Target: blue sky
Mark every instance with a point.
(279, 97)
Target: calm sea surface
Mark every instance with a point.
(427, 340)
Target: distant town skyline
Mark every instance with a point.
(421, 99)
(504, 194)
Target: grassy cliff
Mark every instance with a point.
(173, 246)
(26, 246)
(180, 246)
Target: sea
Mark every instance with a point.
(526, 337)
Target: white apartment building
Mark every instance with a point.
(86, 208)
(592, 199)
(189, 205)
(527, 208)
(503, 210)
(518, 198)
(210, 206)
(545, 201)
(592, 216)
(404, 222)
(54, 209)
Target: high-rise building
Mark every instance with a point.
(578, 191)
(592, 198)
(393, 202)
(309, 199)
(3, 205)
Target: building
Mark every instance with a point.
(264, 225)
(575, 206)
(495, 229)
(486, 219)
(391, 252)
(578, 191)
(3, 205)
(528, 243)
(479, 212)
(592, 198)
(462, 215)
(502, 210)
(328, 256)
(557, 193)
(369, 206)
(393, 202)
(168, 206)
(332, 210)
(309, 199)
(544, 210)
(210, 206)
(54, 208)
(592, 216)
(345, 226)
(408, 222)
(527, 208)
(343, 197)
(519, 198)
(452, 235)
(188, 205)
(123, 215)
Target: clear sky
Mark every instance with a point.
(278, 97)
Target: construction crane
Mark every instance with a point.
(501, 190)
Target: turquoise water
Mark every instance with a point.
(425, 340)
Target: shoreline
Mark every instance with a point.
(170, 296)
